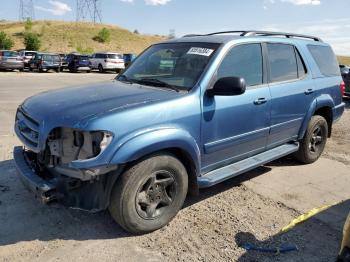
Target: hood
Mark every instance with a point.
(72, 105)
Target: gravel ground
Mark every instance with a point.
(211, 227)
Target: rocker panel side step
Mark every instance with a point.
(216, 176)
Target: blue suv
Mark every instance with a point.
(188, 113)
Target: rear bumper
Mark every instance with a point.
(114, 66)
(45, 191)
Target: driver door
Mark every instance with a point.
(237, 127)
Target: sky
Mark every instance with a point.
(328, 19)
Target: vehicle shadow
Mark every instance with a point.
(346, 100)
(317, 239)
(22, 218)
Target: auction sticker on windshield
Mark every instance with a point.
(200, 51)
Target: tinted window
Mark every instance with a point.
(30, 53)
(325, 59)
(301, 65)
(243, 61)
(10, 53)
(115, 56)
(283, 65)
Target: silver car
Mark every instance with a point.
(26, 56)
(10, 60)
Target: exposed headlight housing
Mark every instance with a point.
(67, 144)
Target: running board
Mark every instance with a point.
(216, 176)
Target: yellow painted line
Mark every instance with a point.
(305, 217)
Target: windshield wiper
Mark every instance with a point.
(157, 82)
(124, 78)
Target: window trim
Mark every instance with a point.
(264, 68)
(270, 83)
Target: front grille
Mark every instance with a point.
(28, 129)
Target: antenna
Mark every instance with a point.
(26, 10)
(89, 9)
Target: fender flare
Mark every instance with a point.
(324, 100)
(156, 140)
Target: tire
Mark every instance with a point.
(58, 70)
(41, 69)
(149, 194)
(100, 68)
(314, 140)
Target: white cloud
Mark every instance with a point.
(57, 8)
(294, 2)
(156, 2)
(127, 1)
(303, 2)
(330, 31)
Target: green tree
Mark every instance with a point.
(28, 25)
(32, 41)
(5, 41)
(103, 36)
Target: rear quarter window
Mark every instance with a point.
(325, 59)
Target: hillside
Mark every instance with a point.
(344, 60)
(59, 36)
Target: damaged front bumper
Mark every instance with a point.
(45, 191)
(90, 195)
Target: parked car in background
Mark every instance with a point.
(188, 113)
(107, 61)
(75, 62)
(345, 72)
(45, 62)
(128, 58)
(27, 56)
(10, 60)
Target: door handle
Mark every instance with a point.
(260, 101)
(309, 91)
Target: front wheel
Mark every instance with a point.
(149, 194)
(314, 140)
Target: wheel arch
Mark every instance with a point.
(176, 142)
(322, 106)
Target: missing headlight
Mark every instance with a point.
(72, 144)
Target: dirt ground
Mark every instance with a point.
(213, 226)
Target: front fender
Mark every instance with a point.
(323, 100)
(156, 140)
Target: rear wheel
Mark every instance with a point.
(314, 141)
(149, 194)
(100, 68)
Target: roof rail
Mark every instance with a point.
(261, 33)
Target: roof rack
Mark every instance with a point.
(260, 33)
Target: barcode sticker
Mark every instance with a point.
(200, 51)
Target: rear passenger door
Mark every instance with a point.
(291, 89)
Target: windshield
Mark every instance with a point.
(170, 65)
(114, 56)
(10, 53)
(52, 58)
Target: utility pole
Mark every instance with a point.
(89, 9)
(26, 10)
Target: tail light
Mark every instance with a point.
(342, 88)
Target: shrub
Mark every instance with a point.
(85, 51)
(103, 36)
(28, 25)
(5, 41)
(136, 32)
(32, 41)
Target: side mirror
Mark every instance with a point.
(228, 86)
